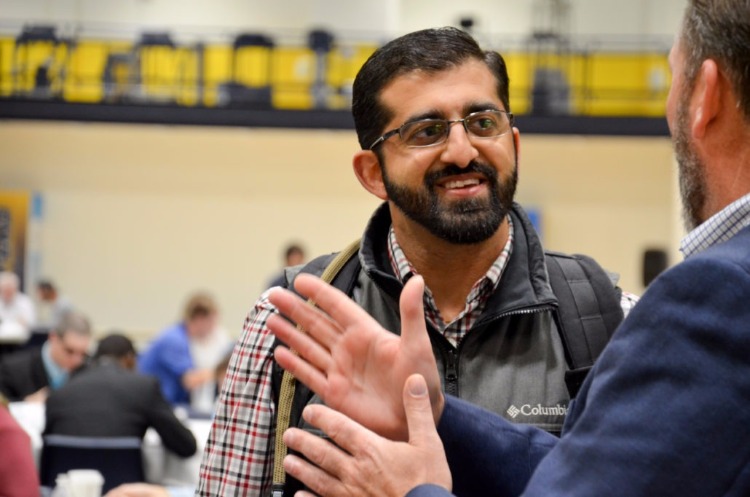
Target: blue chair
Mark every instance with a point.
(118, 459)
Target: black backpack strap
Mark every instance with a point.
(589, 311)
(341, 271)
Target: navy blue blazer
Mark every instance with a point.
(665, 411)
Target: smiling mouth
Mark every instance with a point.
(451, 185)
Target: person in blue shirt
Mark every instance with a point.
(170, 356)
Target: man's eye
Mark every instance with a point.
(432, 129)
(425, 133)
(485, 123)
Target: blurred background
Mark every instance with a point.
(151, 148)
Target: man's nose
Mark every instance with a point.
(458, 148)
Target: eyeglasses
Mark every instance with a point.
(73, 351)
(429, 132)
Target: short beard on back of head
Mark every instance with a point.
(463, 222)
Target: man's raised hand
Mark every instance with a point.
(356, 367)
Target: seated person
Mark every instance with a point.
(29, 374)
(17, 313)
(175, 356)
(52, 306)
(18, 476)
(110, 399)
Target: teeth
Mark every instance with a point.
(460, 184)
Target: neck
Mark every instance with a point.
(449, 270)
(726, 158)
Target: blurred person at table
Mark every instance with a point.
(184, 355)
(29, 374)
(110, 399)
(18, 475)
(17, 314)
(294, 255)
(52, 306)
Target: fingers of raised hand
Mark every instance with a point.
(337, 304)
(314, 321)
(306, 345)
(302, 370)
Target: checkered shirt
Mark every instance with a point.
(718, 228)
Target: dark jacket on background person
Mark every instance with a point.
(107, 400)
(22, 374)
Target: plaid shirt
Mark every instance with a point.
(238, 459)
(475, 301)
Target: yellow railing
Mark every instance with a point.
(97, 70)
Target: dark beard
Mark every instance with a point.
(691, 172)
(461, 222)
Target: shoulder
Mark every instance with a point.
(254, 328)
(698, 302)
(173, 335)
(23, 358)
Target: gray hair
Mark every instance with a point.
(73, 322)
(719, 30)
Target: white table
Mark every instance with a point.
(162, 466)
(30, 415)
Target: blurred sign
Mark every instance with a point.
(14, 220)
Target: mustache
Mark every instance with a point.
(485, 170)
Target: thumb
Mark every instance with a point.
(422, 431)
(413, 328)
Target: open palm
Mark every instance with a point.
(356, 366)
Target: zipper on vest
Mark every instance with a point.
(451, 373)
(515, 312)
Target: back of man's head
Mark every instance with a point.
(118, 347)
(719, 30)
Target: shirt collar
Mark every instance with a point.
(57, 375)
(485, 285)
(718, 228)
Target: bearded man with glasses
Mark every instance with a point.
(30, 374)
(438, 146)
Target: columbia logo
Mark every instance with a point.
(513, 411)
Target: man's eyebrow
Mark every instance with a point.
(480, 106)
(468, 109)
(428, 114)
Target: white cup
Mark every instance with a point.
(85, 483)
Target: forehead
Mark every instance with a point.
(450, 93)
(73, 339)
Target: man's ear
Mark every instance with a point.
(369, 173)
(517, 146)
(706, 98)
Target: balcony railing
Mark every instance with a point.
(256, 70)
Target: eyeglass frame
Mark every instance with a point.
(385, 136)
